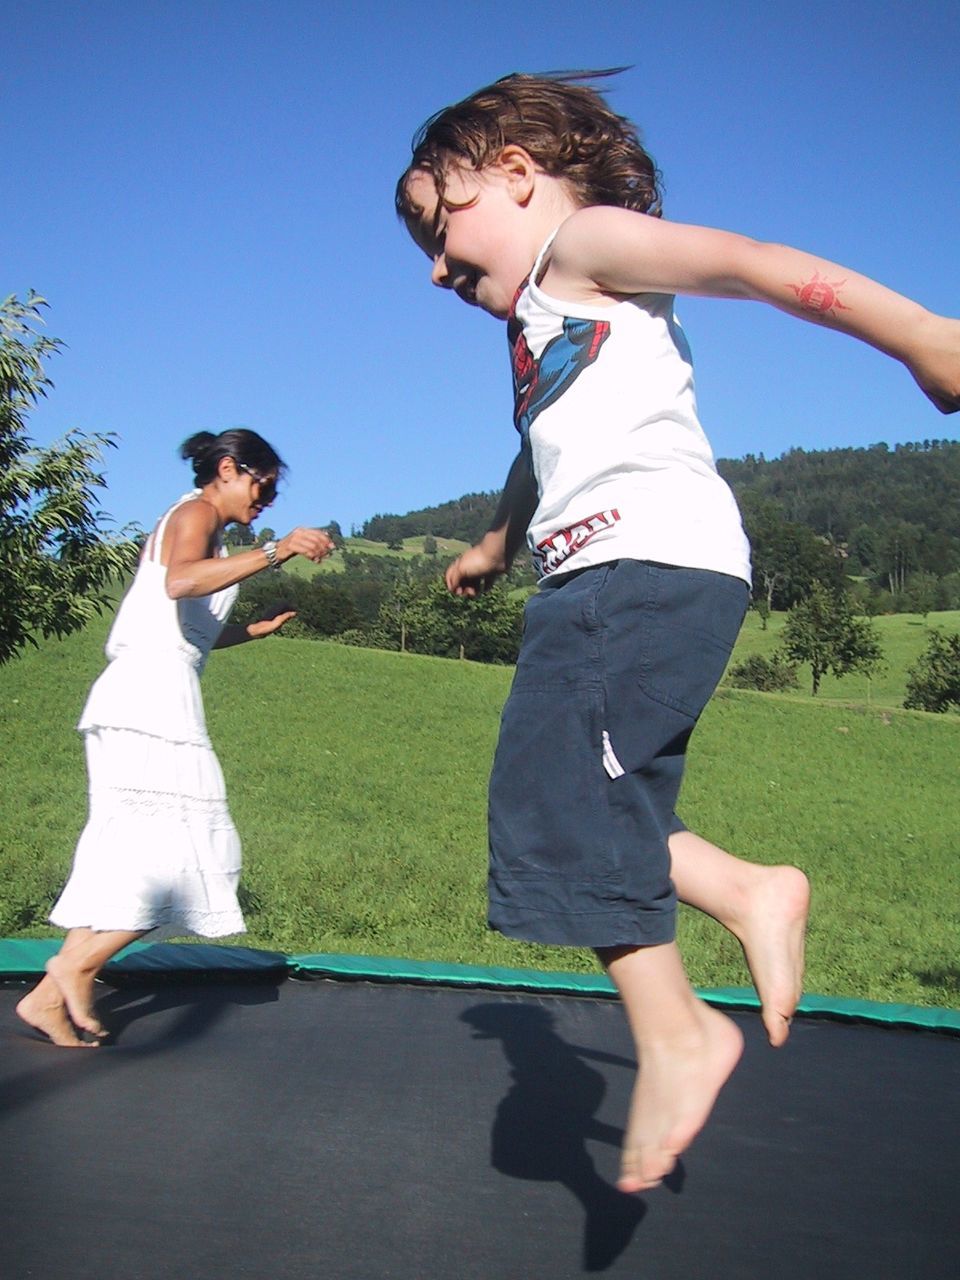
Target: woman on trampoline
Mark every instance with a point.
(537, 203)
(160, 853)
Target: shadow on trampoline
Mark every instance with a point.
(187, 1014)
(359, 1129)
(542, 1126)
(196, 1011)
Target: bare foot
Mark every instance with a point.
(676, 1088)
(48, 1015)
(76, 987)
(772, 936)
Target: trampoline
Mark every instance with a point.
(294, 1118)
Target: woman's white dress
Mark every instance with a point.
(159, 851)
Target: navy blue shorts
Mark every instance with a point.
(616, 665)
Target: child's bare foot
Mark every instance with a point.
(765, 908)
(772, 935)
(676, 1088)
(76, 987)
(46, 1013)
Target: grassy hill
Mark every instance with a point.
(903, 637)
(357, 780)
(447, 549)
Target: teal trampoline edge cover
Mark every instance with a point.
(22, 959)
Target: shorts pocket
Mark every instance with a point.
(548, 787)
(690, 624)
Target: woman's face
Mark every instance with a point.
(246, 491)
(262, 489)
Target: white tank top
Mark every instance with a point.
(605, 403)
(157, 649)
(148, 620)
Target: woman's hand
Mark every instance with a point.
(314, 544)
(270, 624)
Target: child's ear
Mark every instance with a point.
(519, 170)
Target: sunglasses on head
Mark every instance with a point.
(266, 484)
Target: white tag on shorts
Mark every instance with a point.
(610, 762)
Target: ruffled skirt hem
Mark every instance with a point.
(170, 924)
(159, 853)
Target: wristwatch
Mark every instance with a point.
(269, 549)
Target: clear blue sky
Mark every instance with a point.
(203, 191)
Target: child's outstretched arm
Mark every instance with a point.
(617, 252)
(479, 567)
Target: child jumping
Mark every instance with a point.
(537, 203)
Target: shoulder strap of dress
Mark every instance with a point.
(155, 541)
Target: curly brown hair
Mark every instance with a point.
(565, 126)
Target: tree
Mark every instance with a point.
(761, 606)
(486, 628)
(823, 630)
(56, 561)
(768, 675)
(335, 533)
(899, 552)
(787, 558)
(922, 592)
(398, 610)
(322, 605)
(864, 547)
(933, 682)
(423, 617)
(239, 535)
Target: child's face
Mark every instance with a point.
(476, 236)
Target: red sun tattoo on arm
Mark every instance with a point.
(820, 296)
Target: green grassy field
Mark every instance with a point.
(357, 780)
(447, 549)
(902, 635)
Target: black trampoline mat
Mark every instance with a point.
(343, 1130)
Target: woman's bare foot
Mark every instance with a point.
(76, 987)
(677, 1085)
(44, 1010)
(772, 933)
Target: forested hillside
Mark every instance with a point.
(867, 500)
(465, 518)
(833, 491)
(878, 528)
(889, 517)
